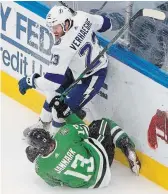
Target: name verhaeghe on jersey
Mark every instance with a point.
(81, 35)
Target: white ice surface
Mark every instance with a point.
(19, 177)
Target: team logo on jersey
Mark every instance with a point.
(64, 131)
(56, 155)
(76, 27)
(60, 11)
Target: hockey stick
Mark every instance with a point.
(95, 11)
(159, 15)
(71, 10)
(102, 6)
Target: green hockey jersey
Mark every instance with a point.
(77, 160)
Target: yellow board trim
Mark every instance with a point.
(151, 169)
(32, 99)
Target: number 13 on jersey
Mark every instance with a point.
(84, 163)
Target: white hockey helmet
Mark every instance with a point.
(58, 15)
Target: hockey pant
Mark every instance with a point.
(77, 98)
(108, 133)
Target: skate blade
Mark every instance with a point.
(133, 162)
(136, 169)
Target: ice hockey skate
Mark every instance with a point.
(129, 151)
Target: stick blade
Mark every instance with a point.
(156, 14)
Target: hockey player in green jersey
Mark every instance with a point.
(79, 156)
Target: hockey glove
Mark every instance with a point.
(52, 181)
(31, 153)
(62, 109)
(27, 83)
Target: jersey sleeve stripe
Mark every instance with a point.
(116, 137)
(85, 128)
(104, 165)
(56, 78)
(106, 24)
(104, 175)
(101, 161)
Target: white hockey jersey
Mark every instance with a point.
(76, 50)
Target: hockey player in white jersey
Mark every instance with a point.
(76, 46)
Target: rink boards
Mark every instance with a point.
(134, 88)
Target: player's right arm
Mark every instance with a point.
(54, 77)
(57, 68)
(47, 176)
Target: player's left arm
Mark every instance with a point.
(63, 111)
(102, 23)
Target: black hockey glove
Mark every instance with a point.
(62, 109)
(31, 153)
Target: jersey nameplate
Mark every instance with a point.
(65, 161)
(81, 35)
